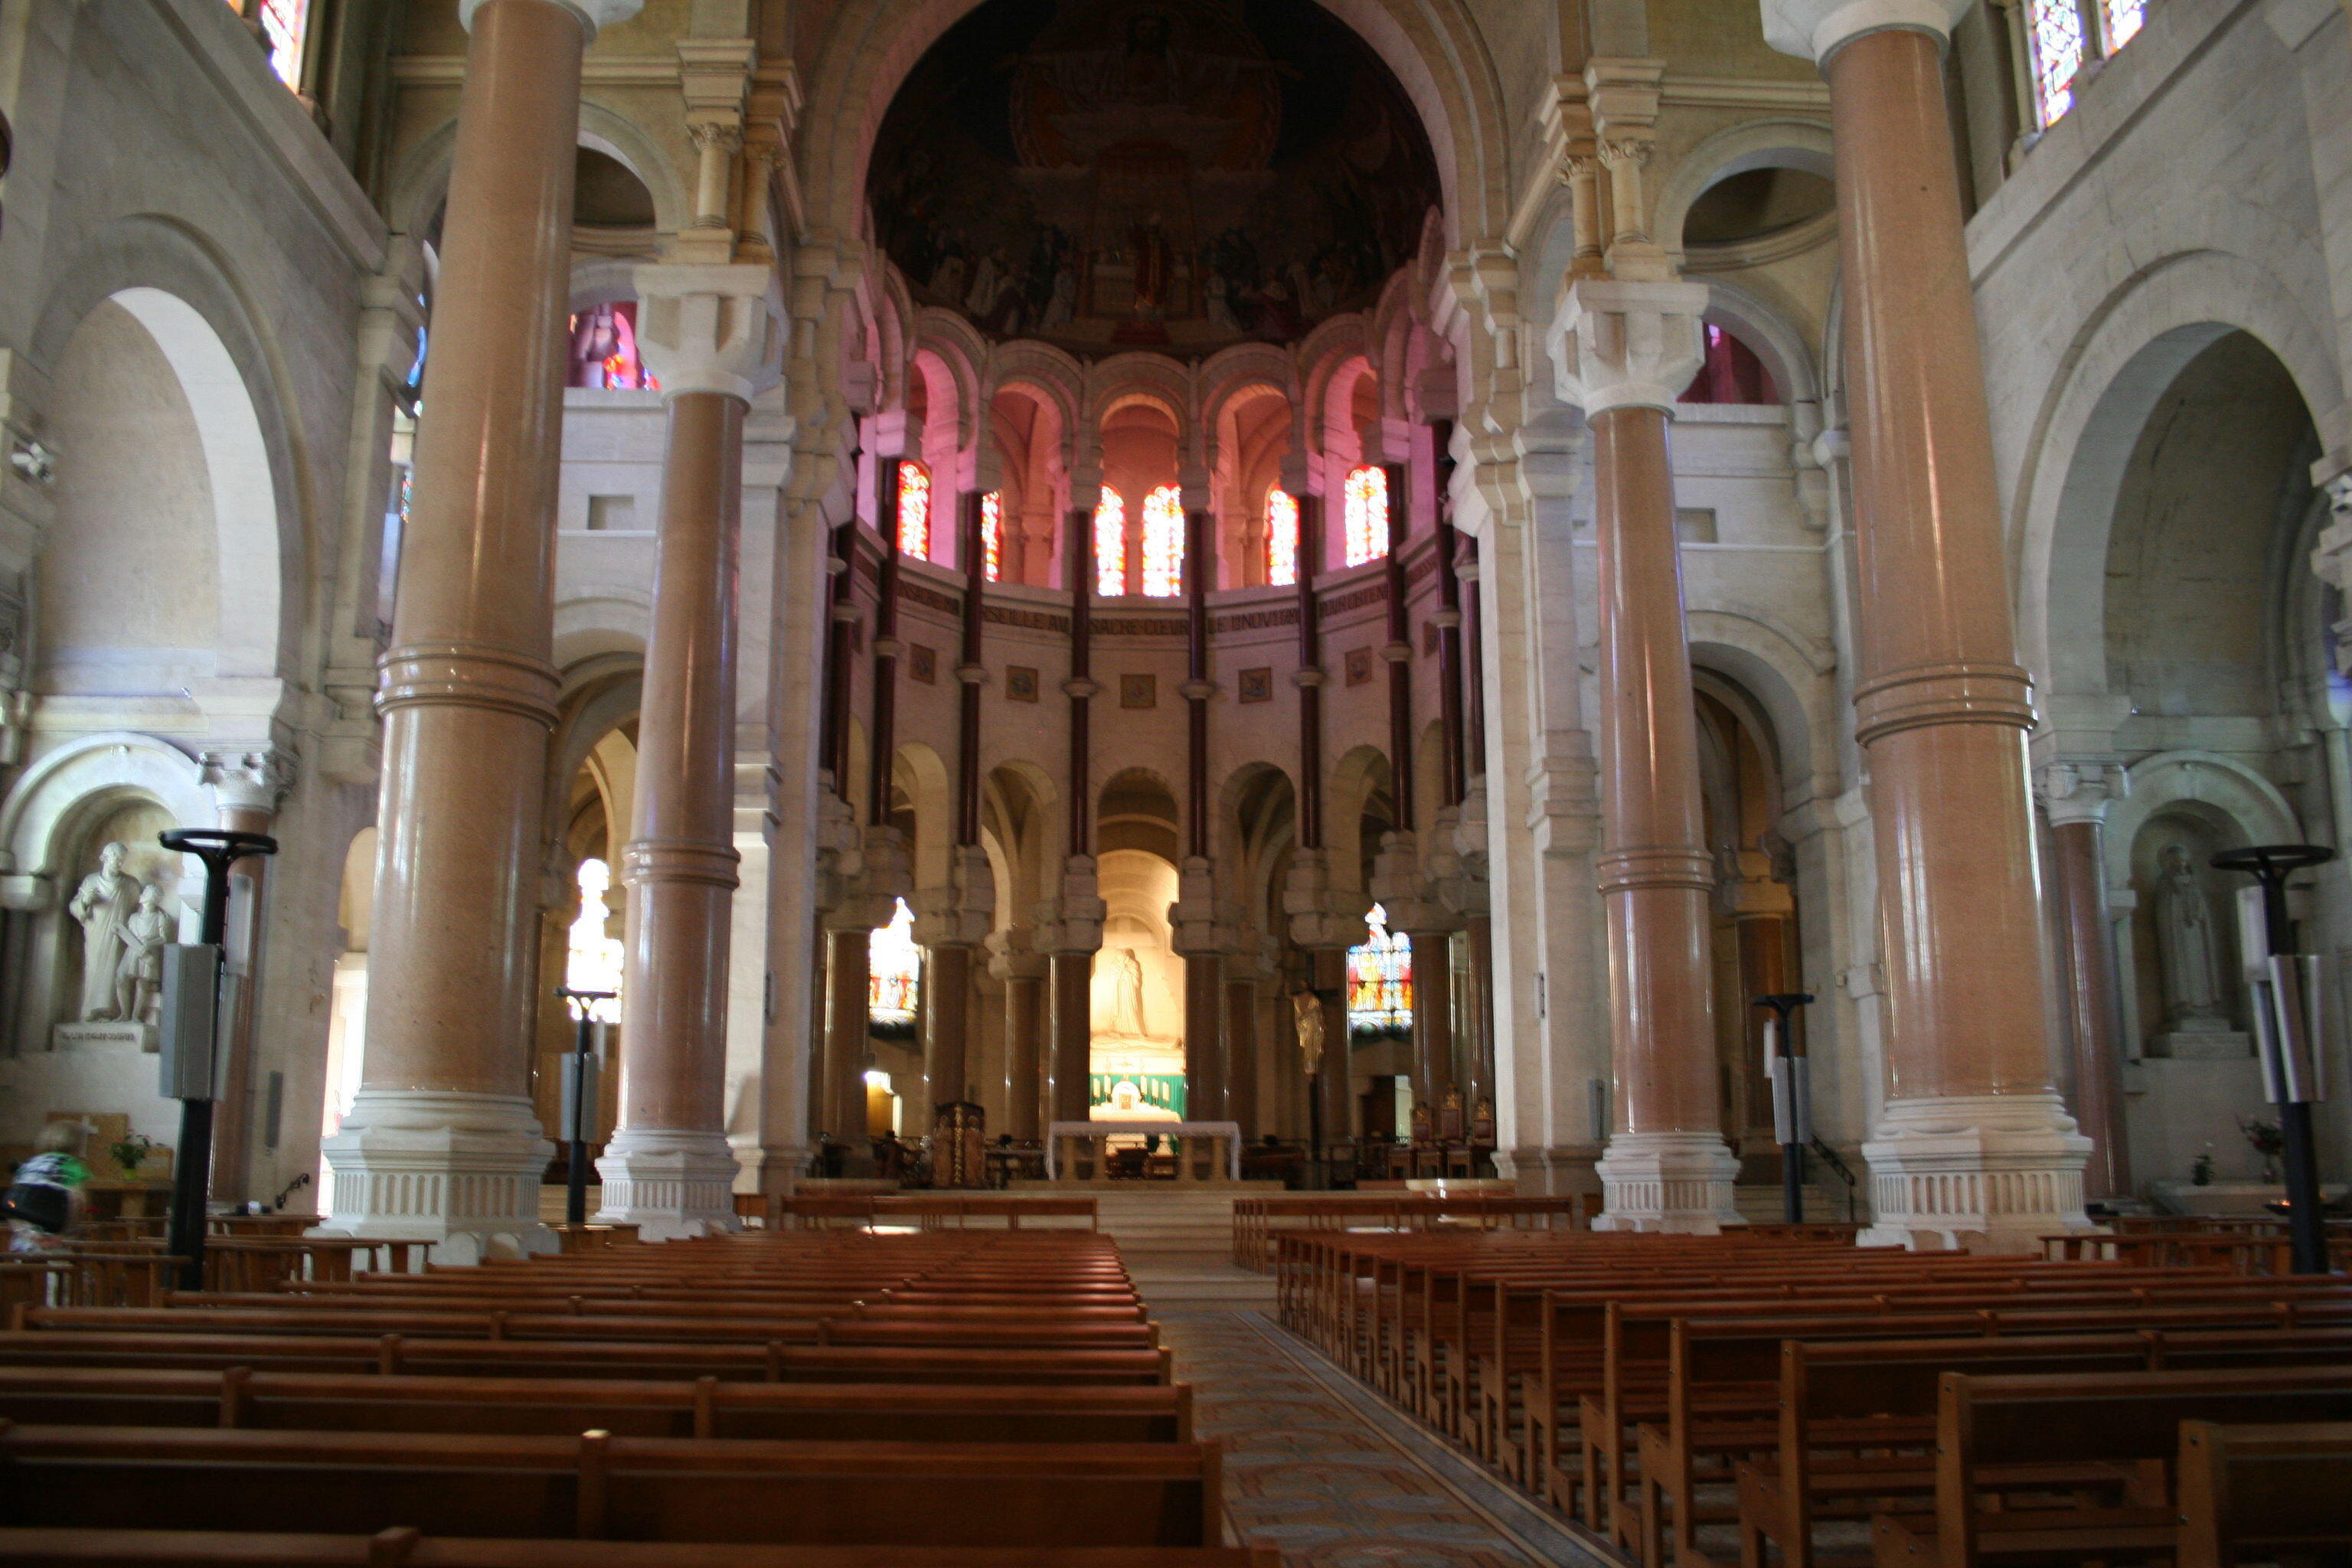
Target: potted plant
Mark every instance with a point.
(133, 1151)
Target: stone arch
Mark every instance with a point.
(2127, 354)
(1792, 143)
(922, 774)
(1783, 675)
(421, 185)
(185, 299)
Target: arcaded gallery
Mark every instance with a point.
(1176, 783)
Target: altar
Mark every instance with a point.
(1079, 1150)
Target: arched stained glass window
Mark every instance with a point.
(1367, 514)
(914, 510)
(283, 25)
(894, 972)
(2054, 38)
(1163, 542)
(992, 535)
(2123, 18)
(593, 962)
(1110, 545)
(1380, 980)
(1281, 538)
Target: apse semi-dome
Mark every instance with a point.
(1178, 174)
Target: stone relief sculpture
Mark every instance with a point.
(139, 978)
(104, 904)
(2194, 996)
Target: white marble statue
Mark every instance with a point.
(139, 978)
(1127, 992)
(104, 904)
(2194, 995)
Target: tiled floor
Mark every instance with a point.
(1327, 1472)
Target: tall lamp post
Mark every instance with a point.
(2287, 1021)
(579, 1100)
(218, 848)
(1792, 1111)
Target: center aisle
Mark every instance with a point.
(1319, 1469)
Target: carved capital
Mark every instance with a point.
(2079, 790)
(248, 780)
(1626, 345)
(710, 329)
(1815, 29)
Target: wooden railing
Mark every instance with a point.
(926, 1211)
(1256, 1219)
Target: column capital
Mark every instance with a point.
(709, 327)
(1815, 29)
(2081, 790)
(248, 780)
(1626, 345)
(594, 15)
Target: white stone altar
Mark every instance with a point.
(1080, 1148)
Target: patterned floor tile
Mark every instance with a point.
(1321, 1468)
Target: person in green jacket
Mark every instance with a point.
(44, 1197)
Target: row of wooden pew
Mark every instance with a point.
(1792, 1399)
(1256, 1220)
(812, 1399)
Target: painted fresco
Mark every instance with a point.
(1151, 174)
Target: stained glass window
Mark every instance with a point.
(1367, 514)
(1110, 545)
(2054, 36)
(1281, 538)
(2124, 19)
(1163, 542)
(914, 510)
(894, 972)
(594, 961)
(992, 535)
(604, 350)
(1380, 980)
(283, 23)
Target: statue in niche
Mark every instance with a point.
(139, 978)
(1307, 1014)
(2195, 998)
(104, 904)
(1127, 992)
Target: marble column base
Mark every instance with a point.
(459, 1169)
(1674, 1182)
(667, 1184)
(1992, 1172)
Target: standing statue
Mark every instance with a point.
(1307, 1013)
(1127, 992)
(104, 904)
(2194, 994)
(139, 979)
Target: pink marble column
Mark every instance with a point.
(1973, 1146)
(704, 332)
(1624, 349)
(441, 1144)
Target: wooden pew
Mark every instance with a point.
(596, 1486)
(2247, 1490)
(773, 1362)
(405, 1547)
(705, 1407)
(1883, 1396)
(1992, 1433)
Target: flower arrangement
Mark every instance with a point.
(133, 1151)
(2267, 1140)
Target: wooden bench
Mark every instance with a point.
(403, 1547)
(595, 1487)
(705, 1407)
(1992, 1435)
(2262, 1489)
(1835, 1399)
(773, 1362)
